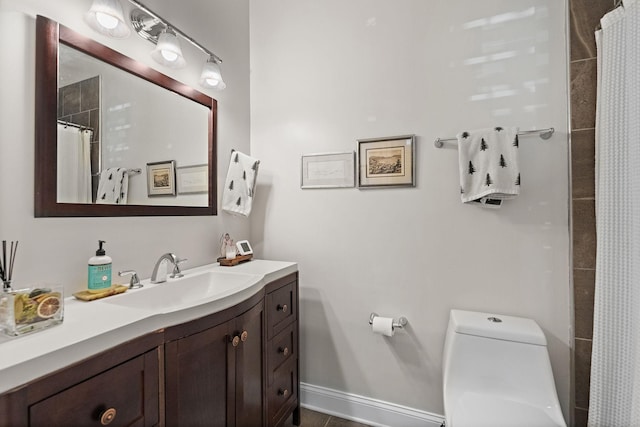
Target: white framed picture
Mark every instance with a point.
(193, 179)
(330, 170)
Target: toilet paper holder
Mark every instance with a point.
(398, 323)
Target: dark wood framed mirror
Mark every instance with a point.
(49, 37)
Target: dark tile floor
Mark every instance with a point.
(311, 418)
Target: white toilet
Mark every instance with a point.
(497, 373)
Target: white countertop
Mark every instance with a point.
(92, 327)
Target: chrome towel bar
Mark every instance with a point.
(543, 133)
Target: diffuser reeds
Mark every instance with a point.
(6, 266)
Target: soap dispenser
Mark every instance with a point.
(99, 270)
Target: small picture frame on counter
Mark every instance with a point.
(244, 248)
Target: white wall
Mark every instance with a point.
(57, 249)
(324, 74)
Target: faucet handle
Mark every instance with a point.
(134, 283)
(176, 268)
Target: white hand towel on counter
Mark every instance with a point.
(113, 186)
(239, 187)
(489, 170)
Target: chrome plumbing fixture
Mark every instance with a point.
(160, 275)
(176, 274)
(134, 283)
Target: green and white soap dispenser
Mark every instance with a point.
(99, 270)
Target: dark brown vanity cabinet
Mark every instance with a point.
(125, 395)
(215, 377)
(237, 367)
(119, 387)
(283, 365)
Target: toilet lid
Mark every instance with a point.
(477, 410)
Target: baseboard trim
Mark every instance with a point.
(364, 409)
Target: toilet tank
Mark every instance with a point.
(503, 358)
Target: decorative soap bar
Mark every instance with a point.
(31, 309)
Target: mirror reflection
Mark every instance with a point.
(112, 124)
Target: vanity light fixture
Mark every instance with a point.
(167, 51)
(152, 27)
(211, 76)
(107, 17)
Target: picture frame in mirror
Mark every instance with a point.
(192, 179)
(161, 178)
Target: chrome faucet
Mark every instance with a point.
(160, 275)
(134, 283)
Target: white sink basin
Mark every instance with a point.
(193, 289)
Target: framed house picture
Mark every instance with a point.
(161, 178)
(386, 162)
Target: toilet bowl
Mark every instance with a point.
(497, 373)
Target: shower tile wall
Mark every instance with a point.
(585, 16)
(79, 103)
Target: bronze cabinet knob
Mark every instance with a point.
(283, 393)
(284, 350)
(235, 341)
(107, 416)
(244, 336)
(283, 308)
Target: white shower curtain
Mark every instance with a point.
(74, 165)
(615, 363)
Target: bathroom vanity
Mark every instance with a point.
(227, 357)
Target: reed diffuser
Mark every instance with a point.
(6, 265)
(30, 308)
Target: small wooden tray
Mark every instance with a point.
(89, 296)
(237, 260)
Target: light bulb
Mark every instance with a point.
(107, 17)
(168, 55)
(107, 21)
(212, 82)
(167, 51)
(211, 76)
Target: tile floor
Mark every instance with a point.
(311, 418)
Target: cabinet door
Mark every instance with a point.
(196, 378)
(126, 395)
(249, 370)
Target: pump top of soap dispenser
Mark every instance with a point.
(100, 251)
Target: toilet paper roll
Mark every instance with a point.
(383, 325)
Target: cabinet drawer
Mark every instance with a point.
(282, 308)
(282, 348)
(283, 392)
(125, 395)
